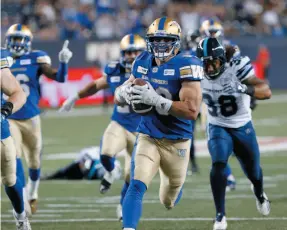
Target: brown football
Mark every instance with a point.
(141, 108)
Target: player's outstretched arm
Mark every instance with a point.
(89, 90)
(11, 87)
(121, 93)
(190, 99)
(257, 88)
(61, 73)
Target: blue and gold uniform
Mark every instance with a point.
(25, 124)
(163, 142)
(166, 79)
(124, 115)
(27, 71)
(5, 132)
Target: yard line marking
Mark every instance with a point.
(267, 145)
(38, 215)
(150, 199)
(152, 219)
(66, 211)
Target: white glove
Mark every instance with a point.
(69, 103)
(65, 54)
(236, 87)
(122, 93)
(147, 95)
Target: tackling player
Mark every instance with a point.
(163, 143)
(25, 124)
(226, 91)
(16, 99)
(121, 132)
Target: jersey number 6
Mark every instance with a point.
(23, 79)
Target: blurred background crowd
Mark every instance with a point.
(110, 19)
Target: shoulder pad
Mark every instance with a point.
(41, 57)
(143, 56)
(6, 59)
(111, 67)
(242, 67)
(190, 68)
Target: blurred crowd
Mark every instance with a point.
(110, 19)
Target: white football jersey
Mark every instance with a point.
(230, 110)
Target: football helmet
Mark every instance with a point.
(212, 53)
(211, 28)
(163, 38)
(18, 39)
(130, 46)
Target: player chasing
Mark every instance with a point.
(172, 95)
(121, 132)
(226, 91)
(25, 124)
(13, 185)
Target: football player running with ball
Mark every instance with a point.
(25, 124)
(121, 132)
(173, 91)
(226, 91)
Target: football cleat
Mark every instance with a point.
(34, 205)
(230, 186)
(120, 212)
(22, 223)
(262, 204)
(106, 182)
(220, 223)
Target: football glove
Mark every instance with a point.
(123, 92)
(236, 87)
(65, 54)
(69, 103)
(147, 95)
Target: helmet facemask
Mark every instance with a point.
(213, 68)
(128, 56)
(163, 47)
(18, 44)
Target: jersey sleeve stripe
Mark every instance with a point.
(243, 68)
(243, 75)
(4, 63)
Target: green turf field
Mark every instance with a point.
(79, 206)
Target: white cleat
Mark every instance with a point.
(106, 182)
(120, 212)
(109, 178)
(263, 205)
(22, 221)
(220, 224)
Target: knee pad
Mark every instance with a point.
(9, 180)
(108, 162)
(218, 167)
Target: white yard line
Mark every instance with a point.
(92, 111)
(151, 219)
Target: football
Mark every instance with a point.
(141, 108)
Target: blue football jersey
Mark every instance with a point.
(5, 132)
(26, 69)
(166, 79)
(124, 115)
